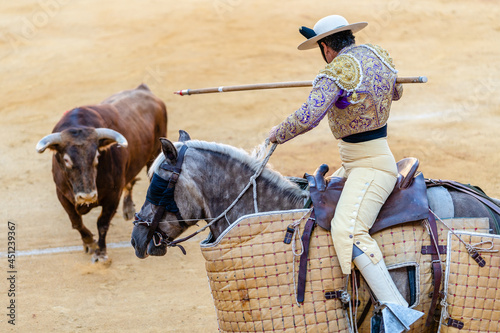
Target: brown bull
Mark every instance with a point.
(98, 152)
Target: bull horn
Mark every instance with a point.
(106, 133)
(47, 141)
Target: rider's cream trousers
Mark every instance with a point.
(371, 174)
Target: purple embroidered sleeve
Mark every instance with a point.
(321, 98)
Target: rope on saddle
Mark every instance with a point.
(473, 249)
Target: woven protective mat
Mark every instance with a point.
(472, 292)
(252, 273)
(401, 246)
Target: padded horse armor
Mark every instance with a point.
(407, 202)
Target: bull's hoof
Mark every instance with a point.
(90, 248)
(129, 211)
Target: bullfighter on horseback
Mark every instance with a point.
(355, 90)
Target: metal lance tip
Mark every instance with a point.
(182, 92)
(423, 79)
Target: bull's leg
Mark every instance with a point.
(128, 204)
(103, 222)
(89, 244)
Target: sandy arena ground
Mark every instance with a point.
(60, 54)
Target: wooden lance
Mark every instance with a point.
(292, 84)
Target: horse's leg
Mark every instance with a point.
(103, 222)
(89, 244)
(400, 278)
(128, 204)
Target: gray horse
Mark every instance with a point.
(212, 177)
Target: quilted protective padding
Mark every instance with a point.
(251, 273)
(472, 292)
(402, 246)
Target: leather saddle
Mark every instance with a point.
(407, 202)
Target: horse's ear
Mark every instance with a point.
(183, 136)
(169, 150)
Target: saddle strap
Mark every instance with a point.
(333, 294)
(454, 323)
(436, 267)
(429, 249)
(306, 238)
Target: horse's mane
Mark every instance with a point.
(240, 155)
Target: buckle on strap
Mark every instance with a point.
(164, 239)
(454, 323)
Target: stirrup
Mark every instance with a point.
(394, 318)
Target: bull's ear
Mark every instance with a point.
(169, 150)
(183, 136)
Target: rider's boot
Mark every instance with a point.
(396, 316)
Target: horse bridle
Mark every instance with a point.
(168, 202)
(165, 201)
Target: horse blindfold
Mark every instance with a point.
(161, 193)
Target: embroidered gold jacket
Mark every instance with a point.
(356, 91)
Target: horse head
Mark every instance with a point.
(195, 180)
(164, 217)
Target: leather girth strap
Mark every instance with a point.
(306, 238)
(436, 268)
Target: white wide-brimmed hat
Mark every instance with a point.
(327, 26)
